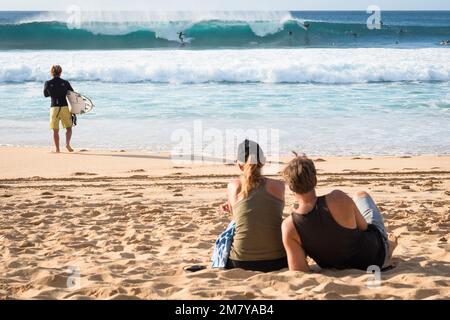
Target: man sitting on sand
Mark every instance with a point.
(57, 89)
(334, 230)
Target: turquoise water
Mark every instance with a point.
(320, 119)
(213, 30)
(323, 90)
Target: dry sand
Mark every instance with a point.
(129, 222)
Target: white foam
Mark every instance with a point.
(167, 24)
(266, 66)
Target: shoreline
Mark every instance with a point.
(41, 161)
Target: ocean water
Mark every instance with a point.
(324, 91)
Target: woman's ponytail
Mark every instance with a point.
(251, 176)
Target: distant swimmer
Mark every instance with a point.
(354, 34)
(181, 36)
(402, 31)
(445, 42)
(290, 32)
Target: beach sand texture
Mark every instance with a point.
(129, 222)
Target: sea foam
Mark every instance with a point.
(332, 66)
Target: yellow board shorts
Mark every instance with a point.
(60, 114)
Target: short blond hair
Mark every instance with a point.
(56, 70)
(300, 174)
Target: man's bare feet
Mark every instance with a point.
(69, 148)
(57, 151)
(392, 242)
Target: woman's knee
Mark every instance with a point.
(361, 194)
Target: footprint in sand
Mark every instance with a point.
(46, 193)
(179, 174)
(136, 195)
(29, 214)
(84, 174)
(402, 205)
(360, 158)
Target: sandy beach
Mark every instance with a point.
(128, 223)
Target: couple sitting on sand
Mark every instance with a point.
(334, 230)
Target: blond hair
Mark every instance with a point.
(56, 70)
(300, 174)
(251, 176)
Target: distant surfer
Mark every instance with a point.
(306, 25)
(354, 34)
(181, 37)
(290, 33)
(445, 42)
(59, 112)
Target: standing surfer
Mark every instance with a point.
(57, 89)
(181, 37)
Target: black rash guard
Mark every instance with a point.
(334, 246)
(57, 89)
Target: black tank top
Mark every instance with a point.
(334, 246)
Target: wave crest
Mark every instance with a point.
(237, 66)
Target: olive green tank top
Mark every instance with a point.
(258, 227)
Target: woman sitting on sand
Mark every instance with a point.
(334, 230)
(256, 203)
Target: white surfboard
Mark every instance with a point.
(78, 104)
